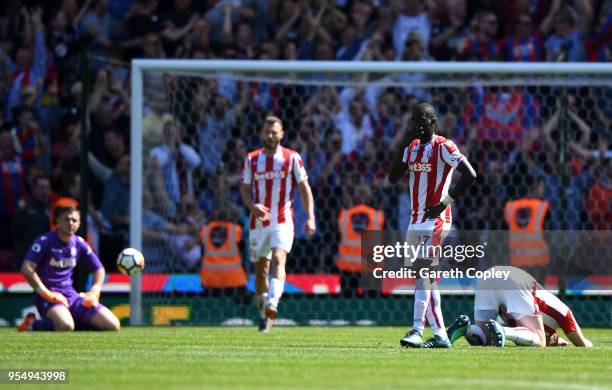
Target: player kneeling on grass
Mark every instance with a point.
(48, 268)
(531, 313)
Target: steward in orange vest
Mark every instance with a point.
(222, 263)
(351, 223)
(525, 218)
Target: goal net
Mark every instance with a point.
(530, 131)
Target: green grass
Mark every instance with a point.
(304, 358)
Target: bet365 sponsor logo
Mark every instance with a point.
(270, 175)
(68, 262)
(420, 167)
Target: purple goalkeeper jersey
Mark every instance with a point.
(55, 260)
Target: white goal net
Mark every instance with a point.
(194, 121)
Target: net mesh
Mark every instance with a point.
(517, 131)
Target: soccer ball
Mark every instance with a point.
(130, 261)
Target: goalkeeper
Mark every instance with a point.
(48, 268)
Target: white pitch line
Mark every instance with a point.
(521, 384)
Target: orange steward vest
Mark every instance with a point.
(525, 217)
(221, 263)
(351, 223)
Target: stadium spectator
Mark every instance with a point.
(28, 139)
(482, 45)
(217, 118)
(100, 28)
(500, 126)
(566, 42)
(13, 186)
(177, 161)
(114, 142)
(114, 208)
(597, 45)
(411, 18)
(29, 66)
(449, 34)
(31, 219)
(352, 119)
(185, 245)
(525, 44)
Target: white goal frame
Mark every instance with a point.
(139, 66)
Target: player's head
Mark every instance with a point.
(272, 132)
(423, 120)
(68, 219)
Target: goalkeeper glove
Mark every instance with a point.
(91, 297)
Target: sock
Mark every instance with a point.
(260, 301)
(421, 301)
(41, 325)
(475, 336)
(434, 312)
(522, 336)
(275, 292)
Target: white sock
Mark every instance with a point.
(475, 335)
(522, 336)
(421, 301)
(275, 292)
(260, 301)
(434, 312)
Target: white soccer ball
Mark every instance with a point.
(130, 261)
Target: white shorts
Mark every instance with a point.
(515, 295)
(263, 240)
(430, 233)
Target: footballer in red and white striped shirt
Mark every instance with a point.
(555, 315)
(270, 176)
(530, 313)
(430, 160)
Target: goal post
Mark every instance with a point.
(286, 82)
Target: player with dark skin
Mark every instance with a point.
(428, 225)
(423, 124)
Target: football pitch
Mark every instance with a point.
(298, 358)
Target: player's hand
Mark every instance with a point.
(54, 297)
(90, 298)
(434, 211)
(260, 211)
(310, 227)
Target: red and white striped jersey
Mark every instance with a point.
(431, 166)
(554, 312)
(273, 180)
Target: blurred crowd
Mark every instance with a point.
(537, 140)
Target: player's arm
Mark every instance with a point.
(398, 165)
(28, 269)
(308, 202)
(93, 263)
(578, 339)
(259, 210)
(468, 176)
(92, 297)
